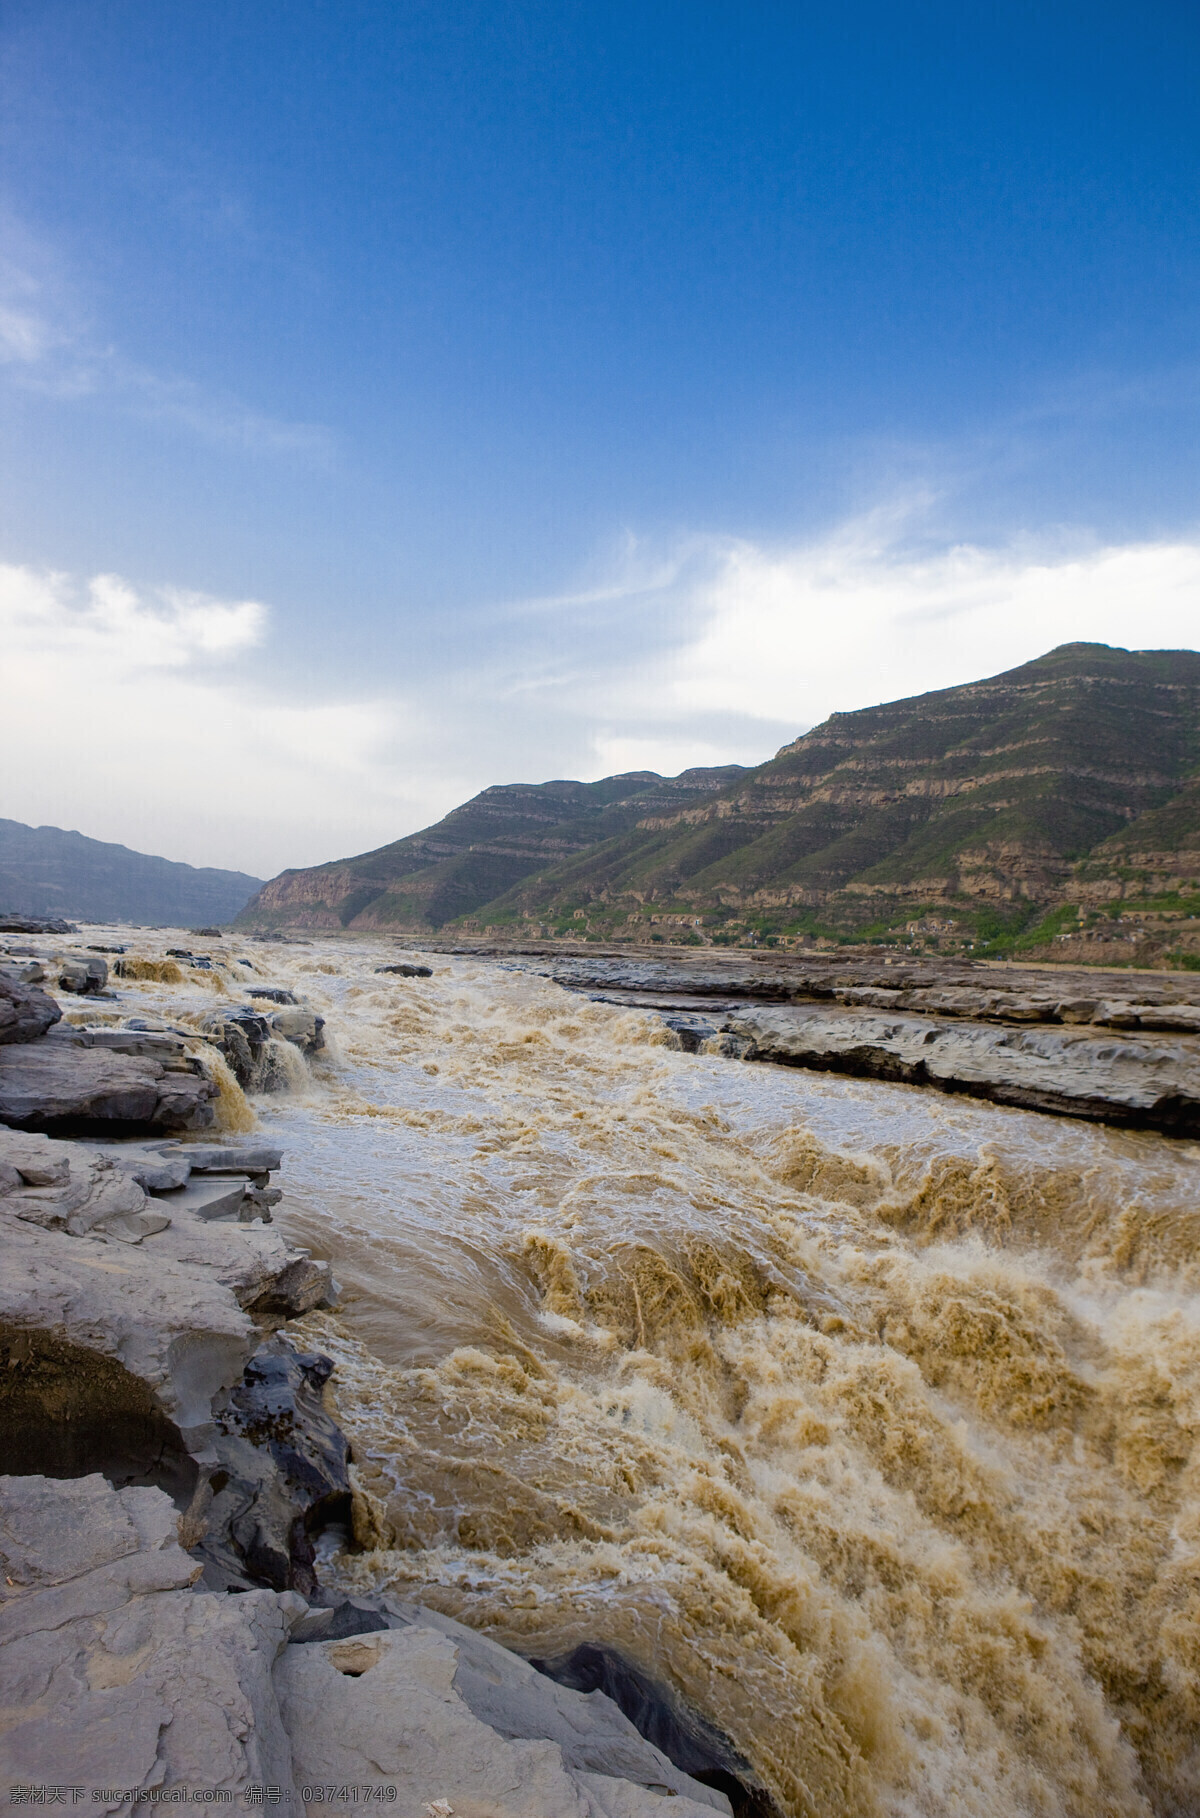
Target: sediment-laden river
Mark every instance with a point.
(864, 1419)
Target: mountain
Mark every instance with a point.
(45, 871)
(1072, 782)
(477, 853)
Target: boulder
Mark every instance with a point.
(404, 970)
(84, 977)
(300, 1026)
(25, 1012)
(64, 1088)
(248, 1041)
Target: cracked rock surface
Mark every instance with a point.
(119, 1674)
(114, 1674)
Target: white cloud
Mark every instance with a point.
(139, 720)
(782, 637)
(158, 719)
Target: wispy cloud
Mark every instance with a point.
(48, 346)
(158, 717)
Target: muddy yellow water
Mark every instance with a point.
(865, 1420)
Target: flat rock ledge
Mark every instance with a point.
(121, 1675)
(1119, 1048)
(1150, 1084)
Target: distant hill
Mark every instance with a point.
(476, 854)
(1072, 780)
(46, 871)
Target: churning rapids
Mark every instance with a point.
(863, 1418)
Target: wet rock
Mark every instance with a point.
(25, 1012)
(64, 1088)
(272, 993)
(114, 1674)
(32, 924)
(282, 1472)
(83, 977)
(404, 970)
(1113, 1080)
(693, 1746)
(298, 1289)
(300, 1026)
(213, 934)
(694, 1032)
(200, 961)
(248, 1038)
(243, 1037)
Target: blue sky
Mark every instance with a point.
(539, 390)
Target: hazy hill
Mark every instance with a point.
(476, 854)
(1074, 777)
(47, 871)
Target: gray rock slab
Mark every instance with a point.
(385, 1707)
(518, 1702)
(238, 1158)
(1118, 1079)
(220, 1197)
(114, 1674)
(159, 1045)
(55, 1087)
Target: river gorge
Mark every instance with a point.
(861, 1420)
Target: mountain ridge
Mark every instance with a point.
(1071, 779)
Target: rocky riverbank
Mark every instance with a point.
(1113, 1047)
(166, 1439)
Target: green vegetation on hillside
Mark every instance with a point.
(979, 818)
